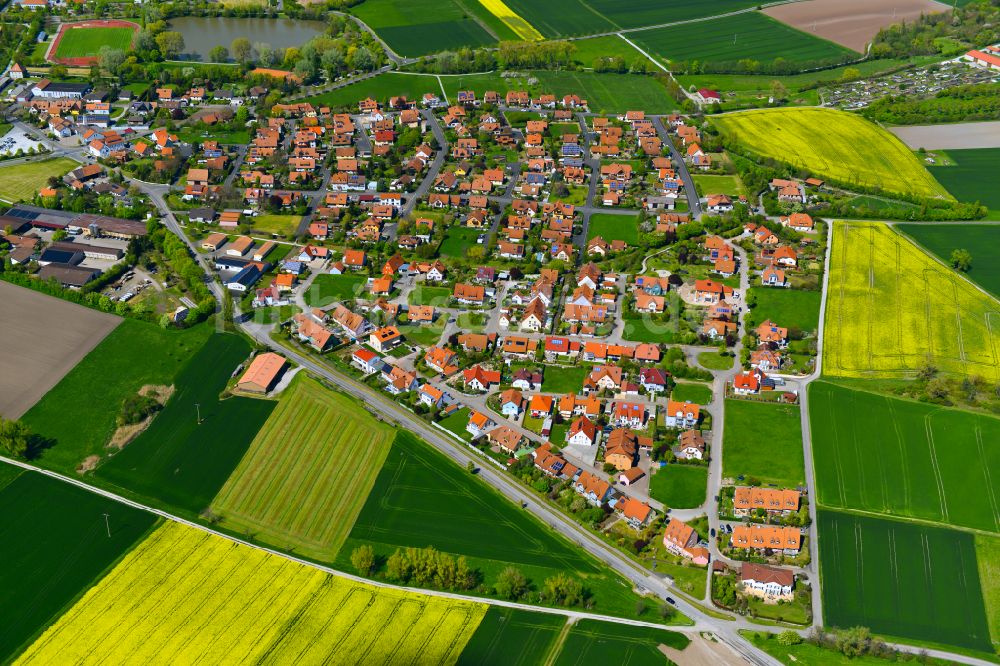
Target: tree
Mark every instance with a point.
(241, 49)
(363, 559)
(170, 43)
(14, 438)
(511, 584)
(562, 589)
(111, 60)
(470, 467)
(363, 59)
(219, 54)
(778, 90)
(961, 260)
(789, 637)
(854, 642)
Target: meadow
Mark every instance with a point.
(749, 35)
(78, 414)
(458, 240)
(971, 177)
(718, 184)
(901, 579)
(563, 379)
(285, 225)
(790, 308)
(979, 239)
(679, 486)
(21, 182)
(596, 642)
(763, 441)
(892, 310)
(614, 227)
(381, 87)
(858, 153)
(307, 473)
(692, 392)
(586, 51)
(533, 634)
(638, 13)
(54, 544)
(184, 595)
(86, 42)
(424, 295)
(900, 457)
(422, 26)
(184, 462)
(715, 361)
(327, 288)
(560, 18)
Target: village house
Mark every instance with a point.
(681, 414)
(431, 396)
(478, 378)
(690, 446)
(593, 488)
(680, 539)
(774, 501)
(787, 540)
(505, 438)
(479, 424)
(635, 513)
(768, 583)
(366, 361)
(582, 432)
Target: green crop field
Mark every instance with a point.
(639, 13)
(972, 178)
(54, 545)
(21, 182)
(900, 457)
(763, 441)
(559, 18)
(988, 559)
(501, 629)
(712, 184)
(692, 392)
(307, 473)
(679, 486)
(78, 414)
(833, 145)
(327, 288)
(614, 227)
(458, 240)
(588, 50)
(901, 579)
(892, 309)
(381, 87)
(422, 26)
(596, 642)
(789, 308)
(87, 42)
(177, 459)
(751, 35)
(979, 239)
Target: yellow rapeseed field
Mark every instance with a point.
(512, 20)
(834, 145)
(185, 596)
(892, 309)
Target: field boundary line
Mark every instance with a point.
(557, 645)
(908, 519)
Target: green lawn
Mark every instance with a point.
(715, 361)
(901, 579)
(564, 378)
(577, 195)
(970, 178)
(979, 239)
(79, 412)
(763, 441)
(614, 227)
(180, 460)
(501, 628)
(679, 486)
(457, 241)
(595, 642)
(326, 288)
(285, 225)
(21, 182)
(690, 579)
(788, 308)
(424, 295)
(84, 42)
(643, 328)
(712, 184)
(224, 136)
(424, 335)
(456, 422)
(474, 322)
(692, 392)
(54, 545)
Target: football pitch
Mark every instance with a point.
(87, 42)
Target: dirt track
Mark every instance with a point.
(851, 23)
(41, 339)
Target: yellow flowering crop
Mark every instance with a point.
(512, 20)
(892, 309)
(185, 596)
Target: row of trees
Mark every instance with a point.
(974, 24)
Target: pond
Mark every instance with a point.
(202, 34)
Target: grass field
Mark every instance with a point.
(184, 596)
(327, 288)
(752, 35)
(692, 392)
(988, 561)
(501, 629)
(595, 642)
(564, 378)
(179, 460)
(589, 50)
(679, 486)
(79, 412)
(900, 457)
(614, 227)
(458, 240)
(979, 239)
(21, 182)
(901, 579)
(857, 153)
(382, 87)
(276, 224)
(712, 184)
(638, 13)
(763, 441)
(969, 179)
(53, 544)
(892, 310)
(307, 472)
(789, 308)
(424, 295)
(807, 654)
(559, 18)
(715, 361)
(85, 42)
(422, 26)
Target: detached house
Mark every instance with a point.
(582, 432)
(593, 488)
(681, 414)
(681, 539)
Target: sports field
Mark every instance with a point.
(79, 412)
(534, 634)
(833, 145)
(970, 177)
(86, 42)
(422, 26)
(595, 642)
(327, 288)
(892, 309)
(307, 473)
(763, 441)
(184, 596)
(979, 239)
(679, 486)
(790, 308)
(900, 457)
(53, 545)
(180, 460)
(614, 227)
(750, 35)
(21, 182)
(901, 579)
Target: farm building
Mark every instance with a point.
(264, 370)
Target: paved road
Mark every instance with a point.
(694, 203)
